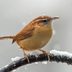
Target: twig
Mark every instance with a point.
(57, 56)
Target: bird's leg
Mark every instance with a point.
(26, 56)
(46, 53)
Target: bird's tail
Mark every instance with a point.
(6, 37)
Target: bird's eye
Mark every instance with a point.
(45, 21)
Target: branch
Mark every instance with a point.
(57, 56)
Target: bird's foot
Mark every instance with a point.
(45, 53)
(26, 56)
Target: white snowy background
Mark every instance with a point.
(14, 14)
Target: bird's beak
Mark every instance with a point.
(53, 18)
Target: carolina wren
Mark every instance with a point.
(35, 35)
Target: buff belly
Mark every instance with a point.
(37, 41)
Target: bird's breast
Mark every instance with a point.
(38, 40)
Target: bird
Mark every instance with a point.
(35, 35)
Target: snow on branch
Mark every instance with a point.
(57, 56)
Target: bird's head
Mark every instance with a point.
(44, 20)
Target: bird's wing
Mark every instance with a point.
(24, 33)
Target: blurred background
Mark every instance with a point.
(15, 14)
